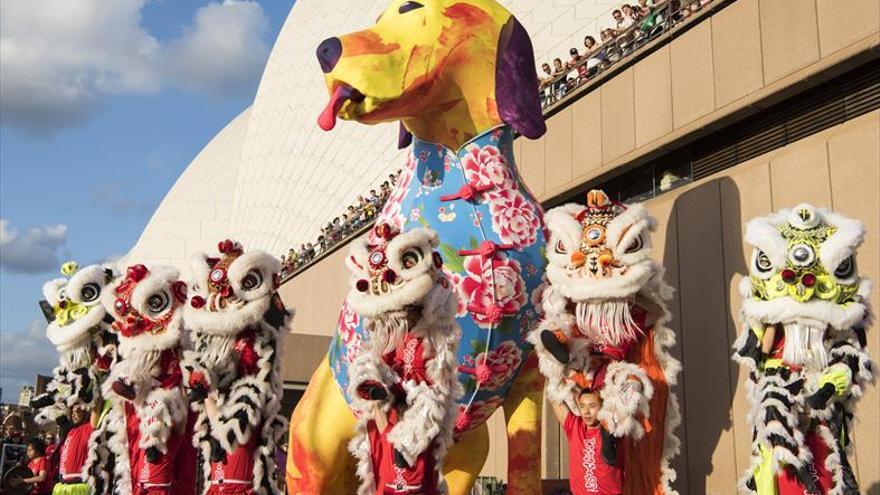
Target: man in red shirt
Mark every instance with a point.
(595, 461)
(73, 452)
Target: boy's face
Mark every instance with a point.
(589, 405)
(31, 452)
(77, 415)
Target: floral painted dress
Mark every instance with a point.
(492, 240)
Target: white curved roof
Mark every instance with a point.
(195, 213)
(291, 177)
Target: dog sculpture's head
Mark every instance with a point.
(447, 69)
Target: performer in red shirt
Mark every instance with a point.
(73, 452)
(595, 461)
(39, 465)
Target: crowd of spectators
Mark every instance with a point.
(355, 217)
(633, 26)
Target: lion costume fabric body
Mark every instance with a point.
(149, 427)
(236, 319)
(805, 312)
(408, 369)
(459, 76)
(79, 330)
(604, 329)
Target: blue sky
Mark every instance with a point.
(103, 105)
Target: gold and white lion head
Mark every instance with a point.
(803, 275)
(72, 304)
(397, 282)
(231, 291)
(601, 250)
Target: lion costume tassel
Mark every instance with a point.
(236, 320)
(805, 312)
(604, 329)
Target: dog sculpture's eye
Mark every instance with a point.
(90, 292)
(407, 6)
(252, 280)
(411, 258)
(158, 302)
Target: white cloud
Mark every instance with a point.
(35, 251)
(23, 354)
(61, 58)
(223, 52)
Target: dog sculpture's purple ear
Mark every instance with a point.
(516, 82)
(404, 137)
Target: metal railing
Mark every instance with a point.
(626, 43)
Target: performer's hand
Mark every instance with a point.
(820, 399)
(399, 460)
(632, 386)
(124, 390)
(372, 390)
(218, 454)
(381, 418)
(196, 394)
(153, 455)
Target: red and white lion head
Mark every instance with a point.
(233, 290)
(146, 306)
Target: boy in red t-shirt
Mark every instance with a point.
(595, 465)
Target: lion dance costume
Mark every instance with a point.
(604, 329)
(805, 312)
(408, 369)
(149, 426)
(459, 76)
(79, 328)
(236, 320)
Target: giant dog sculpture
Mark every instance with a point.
(459, 76)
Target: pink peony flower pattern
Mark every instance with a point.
(504, 360)
(500, 277)
(487, 166)
(392, 213)
(514, 218)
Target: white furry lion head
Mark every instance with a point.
(803, 270)
(599, 251)
(231, 291)
(73, 305)
(146, 306)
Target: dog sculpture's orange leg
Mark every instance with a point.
(522, 409)
(465, 460)
(318, 461)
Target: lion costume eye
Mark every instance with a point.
(408, 6)
(90, 292)
(635, 245)
(252, 280)
(846, 269)
(158, 302)
(762, 262)
(560, 247)
(411, 258)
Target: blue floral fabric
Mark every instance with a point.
(493, 204)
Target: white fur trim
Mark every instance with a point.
(763, 233)
(843, 243)
(262, 261)
(622, 410)
(51, 289)
(784, 309)
(229, 321)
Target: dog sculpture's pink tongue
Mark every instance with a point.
(327, 119)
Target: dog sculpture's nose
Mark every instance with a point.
(329, 52)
